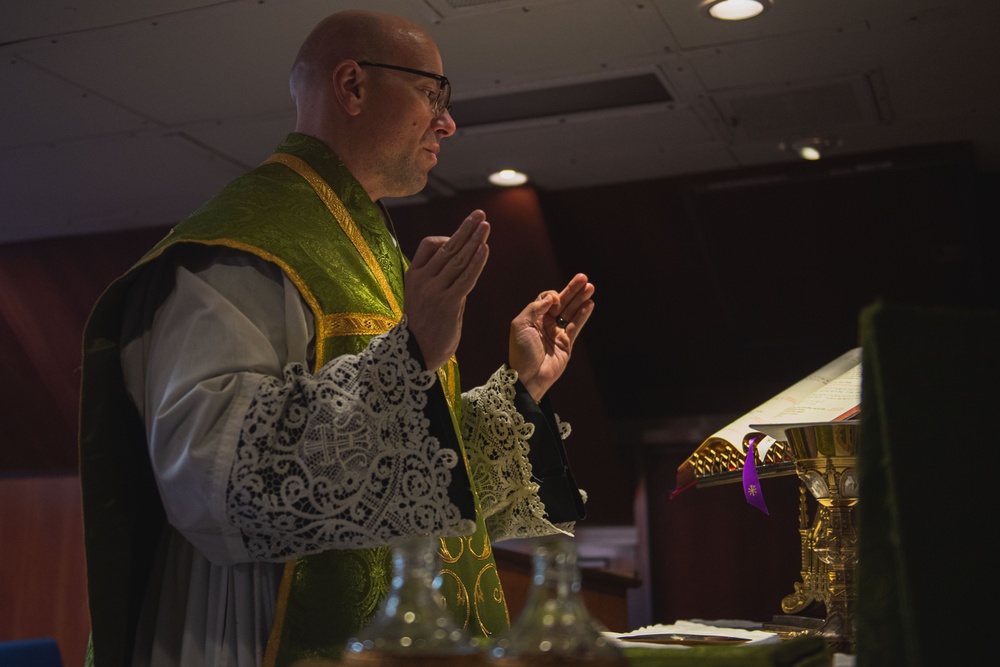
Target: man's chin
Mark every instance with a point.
(412, 187)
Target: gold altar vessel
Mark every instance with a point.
(825, 456)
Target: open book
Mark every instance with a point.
(831, 393)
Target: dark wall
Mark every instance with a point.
(718, 291)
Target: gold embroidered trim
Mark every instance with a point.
(447, 375)
(292, 275)
(280, 611)
(343, 218)
(357, 324)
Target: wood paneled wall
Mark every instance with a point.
(43, 591)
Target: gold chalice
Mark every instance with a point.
(825, 456)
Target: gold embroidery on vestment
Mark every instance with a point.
(343, 218)
(281, 608)
(497, 596)
(446, 555)
(461, 597)
(485, 552)
(357, 324)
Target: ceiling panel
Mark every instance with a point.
(213, 75)
(28, 20)
(43, 108)
(245, 140)
(176, 69)
(786, 58)
(694, 29)
(101, 185)
(492, 50)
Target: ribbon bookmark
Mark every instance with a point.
(751, 485)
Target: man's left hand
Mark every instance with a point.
(542, 335)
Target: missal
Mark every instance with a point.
(831, 393)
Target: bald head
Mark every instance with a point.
(380, 122)
(351, 34)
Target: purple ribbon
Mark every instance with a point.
(751, 485)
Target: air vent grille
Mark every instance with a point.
(561, 100)
(459, 4)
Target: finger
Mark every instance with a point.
(469, 253)
(546, 300)
(470, 231)
(579, 320)
(545, 304)
(576, 293)
(427, 248)
(577, 284)
(464, 281)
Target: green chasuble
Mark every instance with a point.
(302, 210)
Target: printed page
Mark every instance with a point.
(823, 395)
(831, 402)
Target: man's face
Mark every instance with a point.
(407, 131)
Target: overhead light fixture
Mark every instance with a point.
(811, 148)
(508, 178)
(735, 10)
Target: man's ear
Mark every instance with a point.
(348, 81)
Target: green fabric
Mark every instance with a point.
(123, 516)
(925, 464)
(274, 211)
(276, 214)
(795, 652)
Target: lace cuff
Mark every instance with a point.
(343, 458)
(496, 437)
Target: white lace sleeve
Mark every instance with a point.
(342, 458)
(496, 438)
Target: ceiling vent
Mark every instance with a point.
(465, 7)
(561, 100)
(790, 112)
(461, 4)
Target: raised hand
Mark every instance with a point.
(542, 335)
(442, 273)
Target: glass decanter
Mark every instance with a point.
(414, 627)
(555, 628)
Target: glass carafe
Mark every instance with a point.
(414, 627)
(555, 628)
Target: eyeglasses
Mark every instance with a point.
(440, 102)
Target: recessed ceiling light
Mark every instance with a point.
(809, 153)
(811, 148)
(735, 10)
(508, 178)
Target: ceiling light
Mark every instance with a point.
(508, 178)
(811, 148)
(735, 10)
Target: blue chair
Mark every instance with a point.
(41, 652)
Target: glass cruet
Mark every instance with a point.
(555, 628)
(414, 626)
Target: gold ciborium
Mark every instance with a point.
(826, 463)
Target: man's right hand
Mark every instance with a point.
(442, 273)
